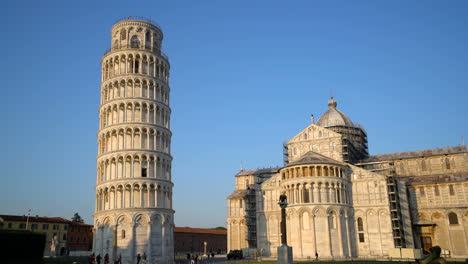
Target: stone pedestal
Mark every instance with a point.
(285, 255)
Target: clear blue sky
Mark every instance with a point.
(245, 77)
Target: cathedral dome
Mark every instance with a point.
(334, 117)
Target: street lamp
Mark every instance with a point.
(27, 219)
(284, 251)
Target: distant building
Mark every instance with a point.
(55, 229)
(191, 240)
(344, 203)
(61, 234)
(80, 237)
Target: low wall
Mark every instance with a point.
(80, 253)
(405, 253)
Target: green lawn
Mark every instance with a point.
(84, 260)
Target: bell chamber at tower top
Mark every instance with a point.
(135, 49)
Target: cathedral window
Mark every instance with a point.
(143, 172)
(360, 230)
(123, 233)
(423, 165)
(451, 190)
(361, 237)
(447, 163)
(453, 218)
(436, 190)
(421, 191)
(359, 224)
(123, 34)
(240, 203)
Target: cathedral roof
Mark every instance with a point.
(334, 117)
(314, 158)
(240, 194)
(416, 154)
(258, 171)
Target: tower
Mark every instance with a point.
(134, 189)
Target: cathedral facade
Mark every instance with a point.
(344, 203)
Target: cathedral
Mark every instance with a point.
(345, 203)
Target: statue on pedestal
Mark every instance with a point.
(54, 246)
(434, 257)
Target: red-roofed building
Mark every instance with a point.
(80, 237)
(190, 240)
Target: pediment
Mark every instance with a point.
(311, 132)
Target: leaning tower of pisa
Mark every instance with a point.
(134, 188)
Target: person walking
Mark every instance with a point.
(98, 259)
(138, 258)
(106, 258)
(119, 260)
(144, 257)
(316, 256)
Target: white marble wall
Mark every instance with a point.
(134, 233)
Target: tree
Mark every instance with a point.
(220, 228)
(77, 218)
